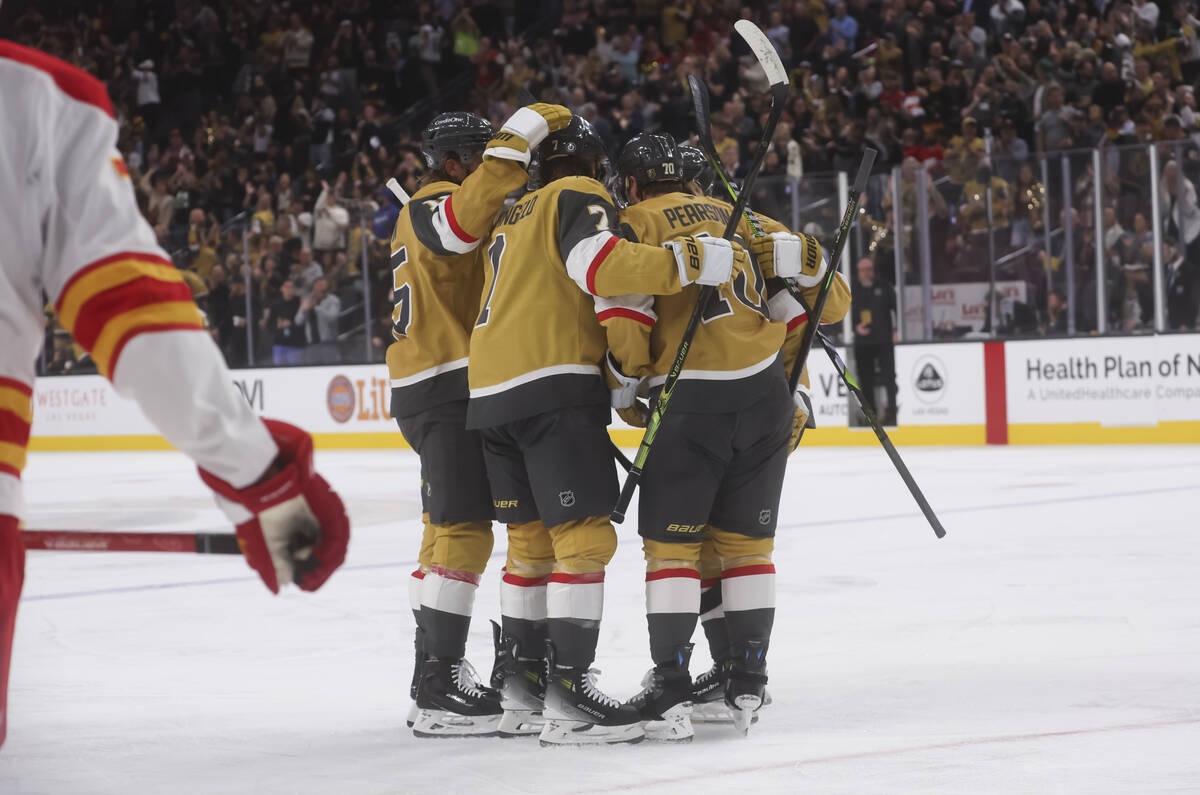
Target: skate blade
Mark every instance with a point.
(575, 732)
(521, 723)
(715, 712)
(674, 727)
(434, 723)
(743, 712)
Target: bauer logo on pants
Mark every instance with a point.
(567, 498)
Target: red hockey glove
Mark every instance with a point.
(291, 526)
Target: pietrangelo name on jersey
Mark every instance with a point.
(515, 212)
(693, 213)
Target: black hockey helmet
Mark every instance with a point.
(577, 140)
(458, 134)
(696, 167)
(651, 158)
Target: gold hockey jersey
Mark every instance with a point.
(437, 273)
(736, 347)
(537, 341)
(786, 309)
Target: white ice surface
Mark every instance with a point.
(1049, 644)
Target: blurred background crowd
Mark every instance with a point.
(260, 133)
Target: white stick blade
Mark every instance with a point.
(763, 50)
(398, 191)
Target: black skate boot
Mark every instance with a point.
(577, 713)
(708, 694)
(452, 703)
(665, 701)
(418, 655)
(746, 688)
(521, 682)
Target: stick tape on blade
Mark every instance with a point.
(763, 50)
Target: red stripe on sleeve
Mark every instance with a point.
(663, 574)
(597, 261)
(454, 227)
(5, 469)
(72, 81)
(100, 263)
(796, 321)
(620, 311)
(708, 582)
(525, 582)
(22, 387)
(105, 305)
(577, 579)
(13, 429)
(418, 574)
(745, 571)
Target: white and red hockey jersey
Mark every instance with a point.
(71, 233)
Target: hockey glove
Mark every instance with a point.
(706, 260)
(790, 256)
(802, 419)
(525, 129)
(623, 389)
(291, 526)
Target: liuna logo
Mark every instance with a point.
(929, 379)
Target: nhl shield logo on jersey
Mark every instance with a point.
(764, 517)
(566, 498)
(339, 398)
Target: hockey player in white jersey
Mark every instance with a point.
(71, 232)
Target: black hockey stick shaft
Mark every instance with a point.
(779, 91)
(814, 316)
(706, 142)
(884, 440)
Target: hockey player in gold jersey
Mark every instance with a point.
(538, 395)
(716, 470)
(708, 699)
(437, 281)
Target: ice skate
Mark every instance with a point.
(418, 655)
(745, 690)
(665, 701)
(452, 703)
(577, 713)
(708, 696)
(521, 682)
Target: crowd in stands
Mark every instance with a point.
(284, 119)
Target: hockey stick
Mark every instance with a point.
(701, 92)
(764, 51)
(814, 316)
(880, 434)
(108, 541)
(399, 192)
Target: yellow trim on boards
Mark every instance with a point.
(1181, 432)
(1175, 432)
(624, 437)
